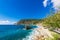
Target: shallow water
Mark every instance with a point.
(13, 32)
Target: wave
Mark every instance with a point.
(38, 33)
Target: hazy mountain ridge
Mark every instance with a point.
(29, 21)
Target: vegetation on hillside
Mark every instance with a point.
(52, 20)
(28, 21)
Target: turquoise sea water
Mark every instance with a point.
(14, 32)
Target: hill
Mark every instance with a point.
(50, 21)
(28, 21)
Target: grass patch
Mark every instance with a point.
(55, 35)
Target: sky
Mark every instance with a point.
(12, 11)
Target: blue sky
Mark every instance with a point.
(15, 10)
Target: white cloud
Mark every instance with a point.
(6, 22)
(45, 3)
(56, 4)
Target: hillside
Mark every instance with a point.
(28, 21)
(50, 21)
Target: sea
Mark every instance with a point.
(14, 32)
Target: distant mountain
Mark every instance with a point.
(29, 21)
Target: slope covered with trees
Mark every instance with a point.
(52, 20)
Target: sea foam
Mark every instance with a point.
(38, 33)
